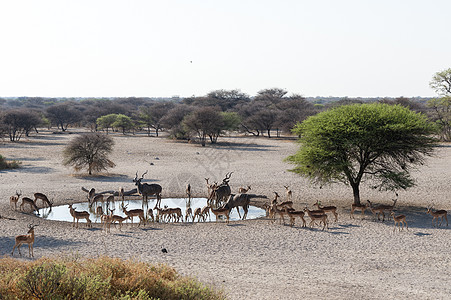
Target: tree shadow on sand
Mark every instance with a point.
(416, 218)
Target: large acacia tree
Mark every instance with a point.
(89, 150)
(352, 143)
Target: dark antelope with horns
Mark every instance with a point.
(147, 190)
(223, 191)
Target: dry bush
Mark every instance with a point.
(101, 278)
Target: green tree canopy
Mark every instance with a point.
(107, 121)
(441, 83)
(124, 122)
(89, 150)
(352, 143)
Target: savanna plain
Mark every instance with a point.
(360, 258)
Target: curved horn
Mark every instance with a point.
(142, 176)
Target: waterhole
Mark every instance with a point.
(61, 213)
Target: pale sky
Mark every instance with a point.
(140, 48)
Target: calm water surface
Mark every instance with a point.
(61, 213)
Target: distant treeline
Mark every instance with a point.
(271, 111)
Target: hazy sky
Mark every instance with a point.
(163, 48)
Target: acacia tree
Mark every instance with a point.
(205, 122)
(124, 122)
(352, 143)
(105, 122)
(89, 150)
(153, 115)
(64, 114)
(19, 121)
(441, 83)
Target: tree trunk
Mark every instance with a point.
(356, 192)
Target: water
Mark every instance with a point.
(61, 213)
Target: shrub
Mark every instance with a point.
(101, 278)
(8, 164)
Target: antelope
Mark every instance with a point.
(79, 215)
(134, 213)
(99, 210)
(223, 190)
(284, 204)
(44, 199)
(294, 214)
(221, 212)
(175, 213)
(332, 209)
(188, 191)
(29, 202)
(238, 200)
(107, 220)
(377, 210)
(91, 195)
(317, 216)
(25, 239)
(438, 214)
(110, 199)
(162, 213)
(150, 215)
(121, 193)
(14, 199)
(205, 212)
(243, 190)
(188, 214)
(96, 199)
(209, 186)
(400, 220)
(198, 214)
(119, 219)
(282, 213)
(361, 207)
(288, 192)
(273, 210)
(147, 190)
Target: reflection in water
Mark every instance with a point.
(61, 213)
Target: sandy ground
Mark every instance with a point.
(250, 259)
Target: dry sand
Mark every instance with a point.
(250, 259)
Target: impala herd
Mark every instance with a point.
(220, 202)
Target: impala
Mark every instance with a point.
(288, 192)
(43, 198)
(321, 216)
(25, 239)
(438, 214)
(380, 209)
(400, 221)
(221, 212)
(332, 209)
(14, 199)
(361, 207)
(29, 202)
(134, 213)
(293, 214)
(188, 214)
(77, 215)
